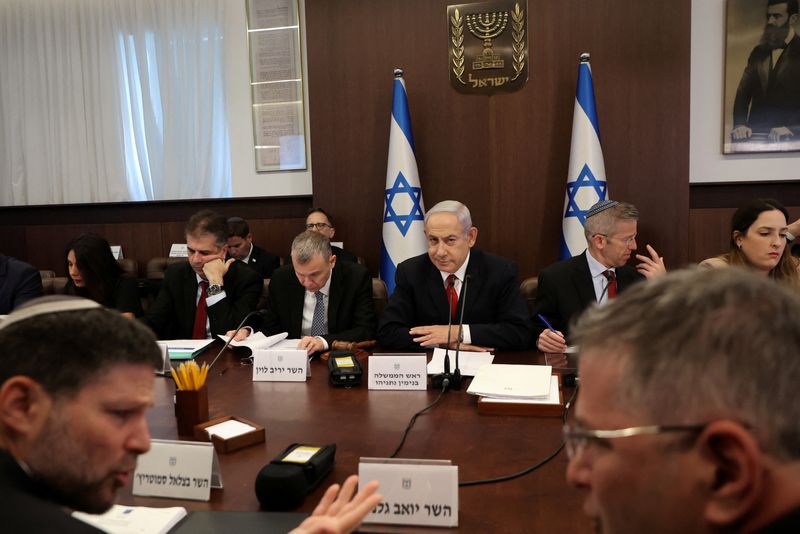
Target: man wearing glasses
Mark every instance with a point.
(568, 287)
(687, 419)
(318, 220)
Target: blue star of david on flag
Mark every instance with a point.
(402, 187)
(585, 180)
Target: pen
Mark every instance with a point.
(546, 323)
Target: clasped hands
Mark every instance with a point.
(437, 335)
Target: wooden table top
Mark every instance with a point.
(364, 423)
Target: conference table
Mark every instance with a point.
(370, 423)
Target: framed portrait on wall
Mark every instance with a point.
(762, 77)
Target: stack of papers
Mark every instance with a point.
(468, 362)
(515, 383)
(258, 341)
(134, 519)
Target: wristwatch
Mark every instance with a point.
(215, 289)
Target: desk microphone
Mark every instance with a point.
(241, 325)
(439, 380)
(455, 380)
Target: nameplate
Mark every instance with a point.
(178, 470)
(284, 365)
(116, 251)
(391, 371)
(178, 250)
(415, 492)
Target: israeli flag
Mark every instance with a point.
(586, 182)
(403, 209)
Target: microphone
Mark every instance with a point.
(262, 313)
(455, 380)
(439, 380)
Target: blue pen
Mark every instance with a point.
(546, 323)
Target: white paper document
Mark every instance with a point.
(258, 340)
(468, 362)
(512, 381)
(552, 397)
(134, 519)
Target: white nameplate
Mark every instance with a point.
(177, 469)
(283, 365)
(415, 492)
(392, 371)
(116, 251)
(178, 250)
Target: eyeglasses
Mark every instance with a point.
(317, 226)
(627, 240)
(576, 438)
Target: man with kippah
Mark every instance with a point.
(568, 287)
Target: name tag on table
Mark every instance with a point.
(415, 492)
(116, 251)
(285, 365)
(396, 371)
(178, 250)
(177, 469)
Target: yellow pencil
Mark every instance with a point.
(185, 377)
(175, 378)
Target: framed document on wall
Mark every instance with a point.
(276, 81)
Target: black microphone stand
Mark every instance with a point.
(241, 325)
(444, 380)
(455, 380)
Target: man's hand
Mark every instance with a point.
(551, 342)
(778, 134)
(428, 336)
(242, 335)
(215, 270)
(741, 132)
(652, 266)
(311, 344)
(338, 514)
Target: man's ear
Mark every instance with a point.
(24, 406)
(737, 472)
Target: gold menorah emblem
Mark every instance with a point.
(484, 57)
(487, 26)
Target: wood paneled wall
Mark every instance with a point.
(505, 156)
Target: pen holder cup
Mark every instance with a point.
(191, 408)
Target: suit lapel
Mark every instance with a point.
(582, 278)
(336, 292)
(477, 277)
(436, 291)
(296, 302)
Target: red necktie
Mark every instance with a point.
(199, 330)
(452, 295)
(611, 276)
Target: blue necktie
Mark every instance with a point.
(318, 322)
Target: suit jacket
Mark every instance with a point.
(124, 298)
(19, 283)
(172, 314)
(263, 262)
(28, 506)
(351, 313)
(494, 308)
(764, 99)
(565, 290)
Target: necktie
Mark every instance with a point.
(318, 322)
(200, 316)
(452, 295)
(611, 276)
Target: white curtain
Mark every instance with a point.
(112, 100)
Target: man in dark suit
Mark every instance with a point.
(19, 283)
(429, 288)
(319, 299)
(241, 247)
(76, 381)
(208, 295)
(318, 220)
(568, 287)
(768, 97)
